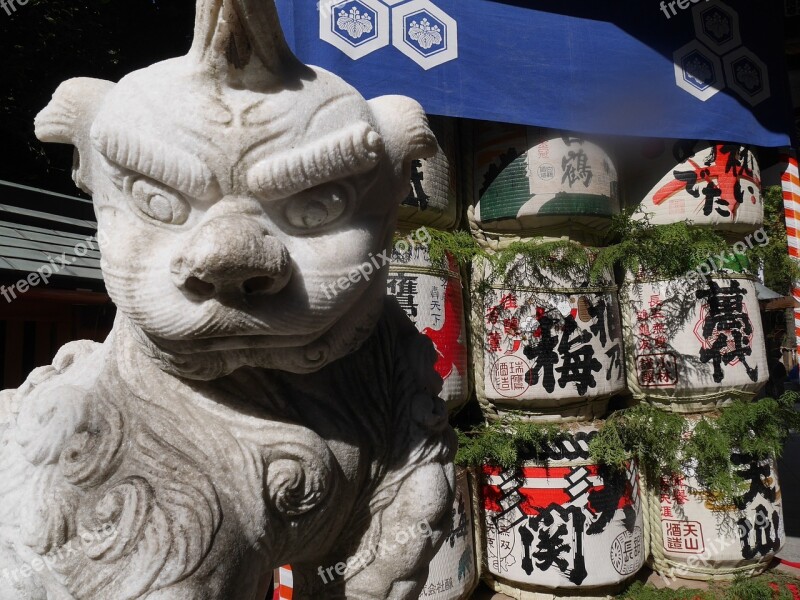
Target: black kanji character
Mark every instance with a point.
(579, 364)
(543, 356)
(727, 329)
(614, 355)
(764, 530)
(552, 549)
(404, 288)
(604, 501)
(417, 197)
(576, 168)
(755, 473)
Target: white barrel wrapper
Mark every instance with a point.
(531, 181)
(693, 348)
(433, 199)
(718, 185)
(695, 537)
(454, 570)
(567, 525)
(432, 297)
(553, 352)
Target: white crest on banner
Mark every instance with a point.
(419, 29)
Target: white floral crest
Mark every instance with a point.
(354, 23)
(425, 35)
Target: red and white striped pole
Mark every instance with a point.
(284, 583)
(790, 182)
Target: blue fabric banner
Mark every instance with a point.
(693, 69)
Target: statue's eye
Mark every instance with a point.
(158, 202)
(319, 206)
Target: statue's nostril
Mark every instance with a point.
(198, 287)
(259, 285)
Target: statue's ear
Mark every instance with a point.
(68, 118)
(404, 128)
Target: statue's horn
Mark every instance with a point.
(230, 34)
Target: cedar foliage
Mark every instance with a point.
(657, 439)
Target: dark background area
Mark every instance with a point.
(48, 41)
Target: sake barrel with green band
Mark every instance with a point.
(431, 294)
(708, 183)
(560, 523)
(693, 535)
(693, 345)
(532, 182)
(434, 199)
(545, 346)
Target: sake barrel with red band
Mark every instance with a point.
(433, 199)
(693, 346)
(431, 294)
(693, 536)
(562, 525)
(713, 184)
(453, 572)
(544, 347)
(533, 182)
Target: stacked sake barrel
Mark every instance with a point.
(547, 346)
(696, 344)
(560, 525)
(692, 534)
(430, 289)
(531, 182)
(712, 184)
(453, 573)
(546, 340)
(434, 197)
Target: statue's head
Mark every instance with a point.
(234, 187)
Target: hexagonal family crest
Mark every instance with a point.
(425, 33)
(717, 26)
(704, 66)
(356, 27)
(419, 29)
(698, 71)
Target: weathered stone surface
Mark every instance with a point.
(238, 417)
